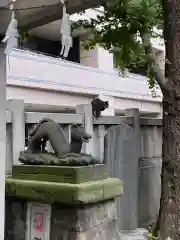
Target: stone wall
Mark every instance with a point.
(90, 222)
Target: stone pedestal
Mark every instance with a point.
(82, 201)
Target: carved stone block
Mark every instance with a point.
(66, 174)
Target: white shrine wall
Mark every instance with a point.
(44, 80)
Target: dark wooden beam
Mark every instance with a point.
(54, 12)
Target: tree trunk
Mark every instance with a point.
(169, 219)
(169, 224)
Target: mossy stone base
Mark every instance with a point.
(67, 185)
(66, 193)
(70, 174)
(82, 200)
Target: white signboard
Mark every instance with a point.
(38, 221)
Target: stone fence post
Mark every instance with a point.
(2, 136)
(16, 107)
(86, 110)
(134, 113)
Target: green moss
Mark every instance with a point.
(60, 173)
(89, 192)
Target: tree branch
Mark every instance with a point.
(160, 78)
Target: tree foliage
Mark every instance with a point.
(120, 27)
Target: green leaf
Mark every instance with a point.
(117, 30)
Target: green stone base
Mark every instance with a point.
(63, 174)
(67, 185)
(72, 194)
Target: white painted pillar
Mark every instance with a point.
(89, 58)
(97, 58)
(2, 138)
(105, 60)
